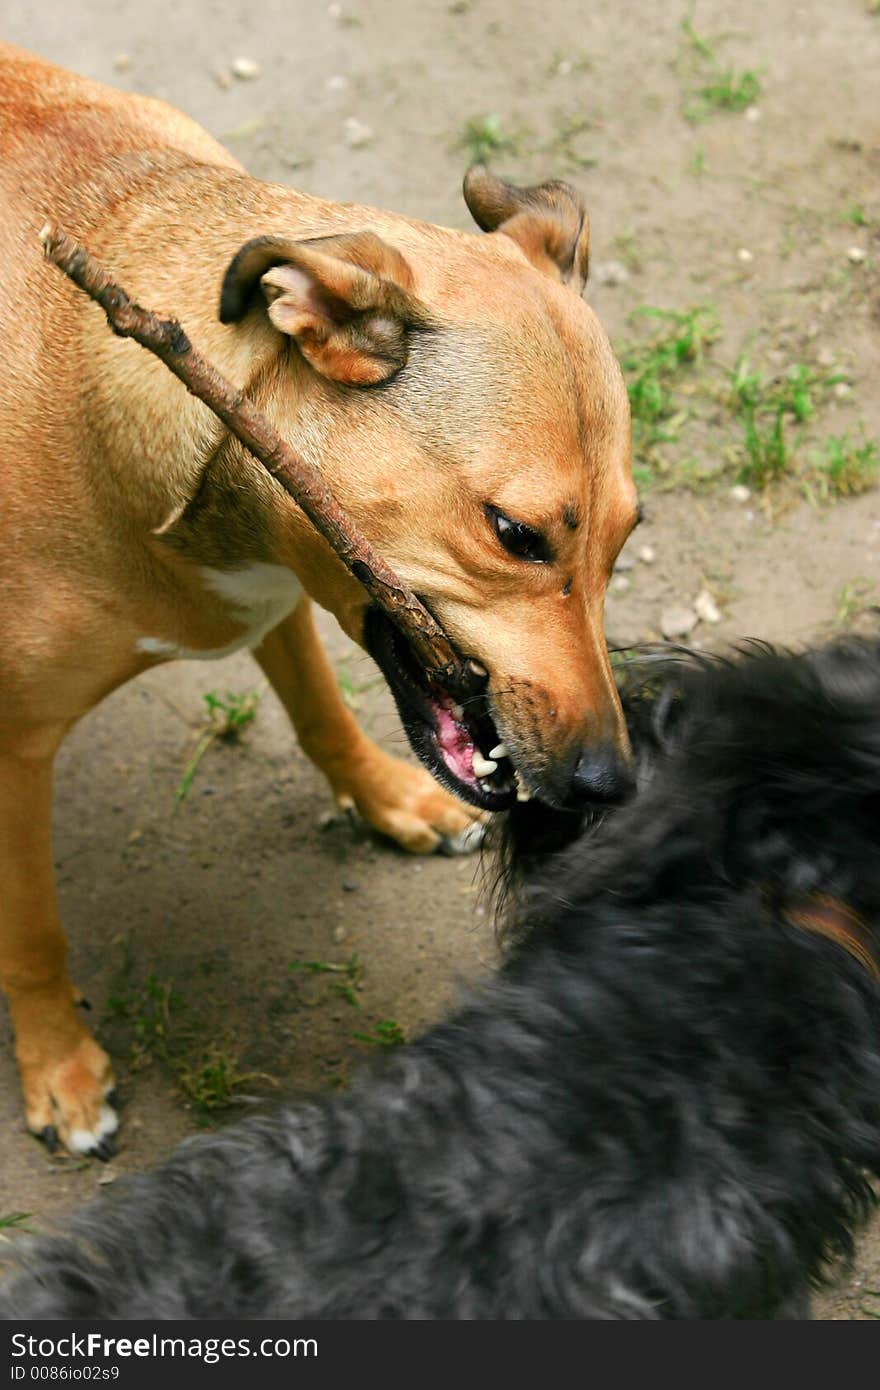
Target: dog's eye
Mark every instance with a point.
(518, 539)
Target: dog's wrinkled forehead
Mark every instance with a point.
(524, 385)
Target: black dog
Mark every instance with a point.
(666, 1106)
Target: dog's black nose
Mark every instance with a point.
(602, 776)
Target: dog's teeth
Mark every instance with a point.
(483, 767)
(457, 713)
(476, 669)
(499, 751)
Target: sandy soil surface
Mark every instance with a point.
(730, 160)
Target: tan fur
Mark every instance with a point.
(118, 490)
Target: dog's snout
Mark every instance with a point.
(602, 776)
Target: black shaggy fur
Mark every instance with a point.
(667, 1104)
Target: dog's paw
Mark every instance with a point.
(72, 1102)
(409, 806)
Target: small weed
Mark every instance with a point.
(212, 1081)
(763, 407)
(652, 367)
(159, 1031)
(351, 970)
(846, 467)
(483, 138)
(387, 1033)
(15, 1221)
(723, 88)
(855, 598)
(727, 91)
(766, 451)
(226, 719)
(563, 144)
(855, 214)
(703, 47)
(698, 162)
(147, 1008)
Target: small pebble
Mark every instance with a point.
(334, 12)
(752, 114)
(563, 67)
(856, 255)
(825, 357)
(619, 584)
(338, 82)
(357, 134)
(706, 608)
(842, 389)
(245, 68)
(349, 886)
(740, 493)
(340, 933)
(677, 622)
(106, 1176)
(744, 254)
(122, 62)
(647, 554)
(624, 561)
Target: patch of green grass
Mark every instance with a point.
(652, 368)
(765, 407)
(854, 215)
(793, 394)
(483, 138)
(212, 1080)
(846, 466)
(387, 1033)
(350, 971)
(766, 450)
(727, 90)
(155, 1019)
(719, 88)
(226, 720)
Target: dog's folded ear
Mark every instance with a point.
(346, 300)
(548, 221)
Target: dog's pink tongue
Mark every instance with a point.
(455, 745)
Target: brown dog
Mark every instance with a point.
(463, 403)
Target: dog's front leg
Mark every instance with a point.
(401, 801)
(65, 1075)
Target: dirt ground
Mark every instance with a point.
(730, 158)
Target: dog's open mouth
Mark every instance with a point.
(459, 744)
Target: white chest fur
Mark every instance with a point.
(257, 596)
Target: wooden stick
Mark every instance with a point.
(165, 337)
